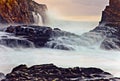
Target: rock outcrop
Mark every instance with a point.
(21, 11)
(2, 76)
(36, 36)
(50, 72)
(107, 33)
(110, 26)
(111, 14)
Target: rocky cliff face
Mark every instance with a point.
(107, 33)
(20, 11)
(110, 26)
(111, 14)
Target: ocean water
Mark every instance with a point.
(82, 57)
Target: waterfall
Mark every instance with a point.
(37, 18)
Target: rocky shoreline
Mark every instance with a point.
(29, 36)
(107, 34)
(50, 72)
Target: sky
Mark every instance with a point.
(83, 10)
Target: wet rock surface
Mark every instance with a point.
(2, 76)
(50, 72)
(36, 36)
(110, 26)
(110, 36)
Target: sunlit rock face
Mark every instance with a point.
(20, 11)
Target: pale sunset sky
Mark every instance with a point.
(84, 10)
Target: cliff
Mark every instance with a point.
(111, 14)
(109, 28)
(21, 11)
(107, 34)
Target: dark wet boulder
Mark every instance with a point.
(38, 35)
(2, 76)
(111, 44)
(42, 36)
(50, 72)
(56, 45)
(20, 68)
(13, 42)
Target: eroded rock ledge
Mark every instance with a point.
(50, 72)
(28, 36)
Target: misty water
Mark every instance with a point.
(81, 56)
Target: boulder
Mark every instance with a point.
(16, 43)
(38, 35)
(50, 72)
(2, 76)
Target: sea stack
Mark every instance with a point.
(21, 11)
(107, 33)
(109, 27)
(111, 14)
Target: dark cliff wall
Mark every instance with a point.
(111, 14)
(21, 11)
(109, 27)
